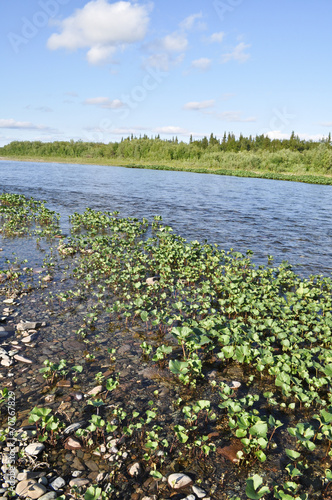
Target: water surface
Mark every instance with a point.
(291, 221)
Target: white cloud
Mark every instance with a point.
(43, 109)
(198, 106)
(104, 102)
(202, 64)
(102, 28)
(164, 61)
(235, 116)
(237, 54)
(277, 134)
(217, 37)
(190, 22)
(175, 42)
(171, 130)
(13, 124)
(326, 124)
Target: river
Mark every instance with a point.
(291, 221)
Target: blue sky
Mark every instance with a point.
(99, 70)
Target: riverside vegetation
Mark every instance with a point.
(286, 159)
(191, 359)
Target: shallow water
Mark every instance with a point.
(291, 221)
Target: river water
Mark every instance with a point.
(291, 221)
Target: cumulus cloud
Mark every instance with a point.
(235, 116)
(238, 54)
(217, 37)
(278, 134)
(199, 106)
(202, 64)
(104, 102)
(102, 28)
(13, 124)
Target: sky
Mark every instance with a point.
(101, 70)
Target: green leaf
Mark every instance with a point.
(252, 490)
(292, 454)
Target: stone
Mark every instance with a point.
(96, 390)
(77, 464)
(152, 281)
(18, 357)
(5, 332)
(76, 473)
(79, 481)
(190, 497)
(30, 338)
(34, 449)
(134, 469)
(92, 465)
(178, 481)
(22, 476)
(235, 385)
(27, 325)
(8, 301)
(73, 427)
(199, 492)
(64, 383)
(51, 495)
(72, 444)
(58, 483)
(30, 488)
(230, 452)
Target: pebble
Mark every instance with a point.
(134, 469)
(76, 473)
(73, 427)
(58, 483)
(96, 390)
(79, 481)
(30, 488)
(72, 444)
(51, 495)
(22, 476)
(34, 449)
(29, 338)
(179, 480)
(190, 497)
(199, 492)
(18, 357)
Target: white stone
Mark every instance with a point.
(79, 481)
(134, 469)
(18, 357)
(199, 492)
(34, 449)
(58, 483)
(179, 480)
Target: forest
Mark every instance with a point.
(258, 154)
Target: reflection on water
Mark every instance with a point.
(291, 221)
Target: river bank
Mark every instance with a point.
(311, 178)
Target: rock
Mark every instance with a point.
(72, 444)
(8, 301)
(230, 451)
(30, 488)
(30, 338)
(27, 325)
(179, 480)
(48, 277)
(79, 481)
(23, 476)
(5, 332)
(73, 427)
(152, 281)
(92, 465)
(18, 357)
(58, 483)
(77, 464)
(34, 449)
(77, 473)
(190, 497)
(43, 480)
(51, 495)
(96, 390)
(134, 469)
(6, 361)
(235, 385)
(199, 492)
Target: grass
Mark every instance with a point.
(244, 168)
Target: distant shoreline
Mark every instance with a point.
(181, 167)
